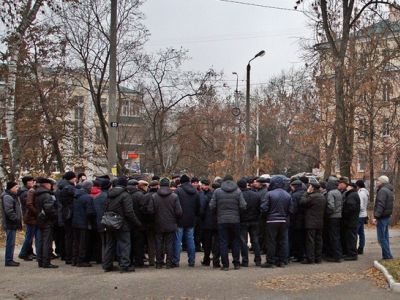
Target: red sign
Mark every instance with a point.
(133, 155)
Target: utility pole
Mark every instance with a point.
(112, 94)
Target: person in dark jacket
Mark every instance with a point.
(249, 223)
(190, 203)
(98, 205)
(276, 206)
(228, 201)
(12, 220)
(209, 227)
(382, 211)
(82, 211)
(65, 195)
(149, 222)
(297, 232)
(31, 230)
(314, 204)
(138, 235)
(166, 209)
(350, 213)
(119, 201)
(47, 216)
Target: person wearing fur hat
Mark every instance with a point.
(65, 196)
(382, 212)
(12, 220)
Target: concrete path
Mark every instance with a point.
(325, 281)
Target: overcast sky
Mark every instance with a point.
(226, 36)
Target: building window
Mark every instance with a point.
(362, 162)
(362, 129)
(386, 128)
(385, 162)
(78, 126)
(129, 108)
(387, 92)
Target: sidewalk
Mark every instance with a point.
(325, 281)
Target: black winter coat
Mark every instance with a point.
(166, 208)
(119, 201)
(297, 215)
(138, 202)
(22, 196)
(314, 210)
(207, 216)
(384, 202)
(45, 204)
(66, 195)
(147, 217)
(98, 205)
(277, 203)
(351, 209)
(190, 203)
(253, 201)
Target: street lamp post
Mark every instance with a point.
(259, 54)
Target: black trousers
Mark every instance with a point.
(79, 245)
(211, 245)
(138, 238)
(198, 235)
(45, 241)
(151, 243)
(314, 245)
(68, 239)
(123, 240)
(350, 241)
(297, 247)
(252, 229)
(59, 240)
(164, 246)
(334, 232)
(276, 242)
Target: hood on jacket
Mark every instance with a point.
(116, 191)
(388, 186)
(80, 192)
(331, 185)
(63, 183)
(41, 190)
(229, 186)
(188, 188)
(131, 189)
(277, 182)
(164, 191)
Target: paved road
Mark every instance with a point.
(30, 282)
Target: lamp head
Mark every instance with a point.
(259, 54)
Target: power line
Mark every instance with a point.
(261, 5)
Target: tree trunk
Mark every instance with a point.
(330, 149)
(396, 205)
(371, 159)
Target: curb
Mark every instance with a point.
(393, 285)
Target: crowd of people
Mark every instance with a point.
(140, 223)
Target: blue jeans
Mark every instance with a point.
(30, 233)
(382, 228)
(10, 245)
(361, 233)
(229, 234)
(188, 235)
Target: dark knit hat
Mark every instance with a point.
(242, 183)
(344, 180)
(80, 175)
(314, 182)
(11, 184)
(103, 177)
(155, 177)
(360, 184)
(69, 175)
(42, 180)
(297, 182)
(304, 179)
(184, 179)
(164, 182)
(133, 182)
(262, 180)
(25, 179)
(194, 179)
(122, 181)
(104, 183)
(205, 182)
(216, 185)
(323, 184)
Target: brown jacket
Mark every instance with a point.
(32, 212)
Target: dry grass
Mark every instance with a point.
(393, 266)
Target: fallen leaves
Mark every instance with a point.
(377, 277)
(300, 282)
